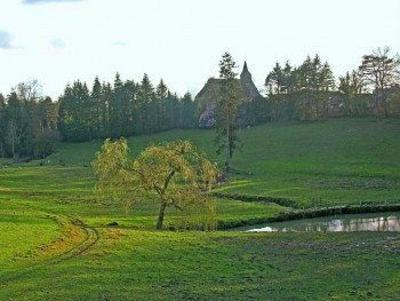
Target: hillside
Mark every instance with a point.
(320, 163)
(53, 227)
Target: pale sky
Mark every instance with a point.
(181, 41)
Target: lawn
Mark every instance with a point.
(56, 242)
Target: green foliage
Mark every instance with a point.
(174, 173)
(28, 123)
(122, 109)
(352, 83)
(300, 93)
(353, 88)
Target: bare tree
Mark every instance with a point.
(381, 70)
(29, 91)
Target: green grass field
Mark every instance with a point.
(321, 163)
(55, 243)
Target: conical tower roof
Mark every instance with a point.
(245, 69)
(248, 86)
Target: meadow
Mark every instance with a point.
(344, 161)
(57, 242)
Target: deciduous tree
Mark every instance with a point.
(175, 173)
(381, 70)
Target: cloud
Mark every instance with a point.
(58, 43)
(6, 40)
(48, 1)
(120, 43)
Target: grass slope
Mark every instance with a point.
(317, 164)
(55, 243)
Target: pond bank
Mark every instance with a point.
(360, 222)
(310, 213)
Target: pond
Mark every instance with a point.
(379, 222)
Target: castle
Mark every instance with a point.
(208, 96)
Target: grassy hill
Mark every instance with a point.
(320, 163)
(55, 242)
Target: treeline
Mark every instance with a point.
(28, 123)
(122, 109)
(300, 92)
(309, 91)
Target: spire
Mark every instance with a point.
(245, 70)
(248, 86)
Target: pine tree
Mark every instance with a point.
(227, 106)
(97, 109)
(160, 103)
(130, 91)
(119, 109)
(106, 118)
(145, 98)
(188, 111)
(2, 125)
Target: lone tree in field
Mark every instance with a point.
(176, 174)
(381, 70)
(227, 107)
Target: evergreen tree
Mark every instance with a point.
(144, 100)
(302, 92)
(227, 105)
(161, 104)
(75, 113)
(187, 112)
(2, 125)
(130, 88)
(97, 110)
(351, 86)
(45, 128)
(120, 109)
(106, 118)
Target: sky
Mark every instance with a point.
(181, 41)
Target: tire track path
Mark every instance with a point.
(91, 237)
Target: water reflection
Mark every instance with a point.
(380, 222)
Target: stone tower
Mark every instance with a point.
(249, 88)
(208, 96)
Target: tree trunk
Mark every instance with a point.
(228, 144)
(13, 150)
(161, 215)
